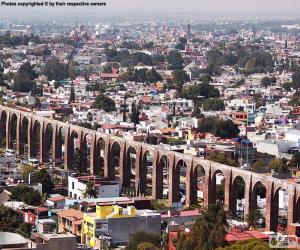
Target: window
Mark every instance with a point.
(73, 185)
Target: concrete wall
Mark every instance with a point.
(121, 229)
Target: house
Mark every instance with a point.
(103, 188)
(56, 201)
(70, 220)
(118, 222)
(46, 225)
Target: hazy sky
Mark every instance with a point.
(211, 5)
(261, 8)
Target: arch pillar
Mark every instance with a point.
(18, 139)
(7, 132)
(173, 180)
(191, 185)
(55, 145)
(269, 210)
(122, 164)
(67, 153)
(42, 142)
(292, 211)
(209, 193)
(29, 136)
(139, 187)
(156, 179)
(228, 195)
(94, 159)
(247, 196)
(107, 168)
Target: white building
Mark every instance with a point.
(104, 189)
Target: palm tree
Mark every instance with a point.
(90, 191)
(252, 218)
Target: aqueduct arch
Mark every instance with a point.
(156, 169)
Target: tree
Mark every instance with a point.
(279, 165)
(266, 81)
(55, 70)
(181, 44)
(208, 232)
(45, 179)
(226, 129)
(296, 79)
(175, 60)
(135, 114)
(77, 163)
(9, 218)
(26, 194)
(196, 92)
(147, 246)
(253, 217)
(107, 69)
(173, 141)
(218, 127)
(153, 76)
(90, 191)
(213, 104)
(295, 162)
(26, 170)
(89, 116)
(253, 244)
(221, 158)
(179, 78)
(258, 165)
(26, 228)
(72, 94)
(73, 71)
(142, 237)
(105, 103)
(23, 79)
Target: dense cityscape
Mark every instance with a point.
(146, 134)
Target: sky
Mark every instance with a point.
(253, 7)
(211, 5)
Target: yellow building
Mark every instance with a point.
(95, 224)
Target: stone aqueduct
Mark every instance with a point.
(34, 127)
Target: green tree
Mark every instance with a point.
(153, 76)
(179, 78)
(23, 79)
(218, 127)
(221, 158)
(142, 237)
(135, 114)
(253, 217)
(279, 165)
(175, 60)
(202, 90)
(147, 246)
(55, 70)
(213, 104)
(258, 165)
(26, 194)
(105, 103)
(266, 81)
(9, 218)
(45, 179)
(296, 79)
(253, 244)
(26, 228)
(72, 94)
(73, 71)
(107, 69)
(90, 191)
(208, 231)
(26, 170)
